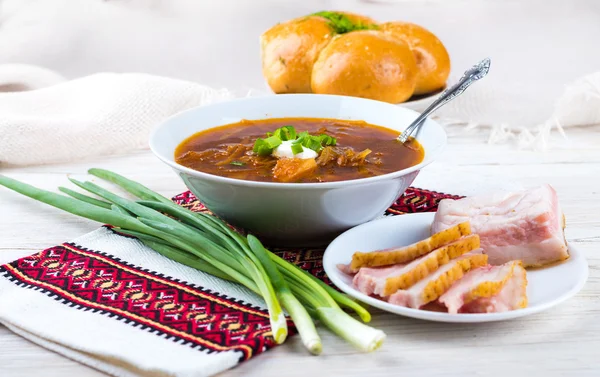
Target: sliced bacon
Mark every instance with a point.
(526, 225)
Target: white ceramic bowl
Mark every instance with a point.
(298, 214)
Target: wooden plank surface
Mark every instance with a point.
(563, 341)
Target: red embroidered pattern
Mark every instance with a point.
(96, 281)
(185, 313)
(418, 200)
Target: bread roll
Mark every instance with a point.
(289, 50)
(431, 56)
(368, 64)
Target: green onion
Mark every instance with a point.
(222, 256)
(328, 312)
(326, 140)
(273, 141)
(363, 337)
(120, 210)
(252, 263)
(316, 143)
(180, 256)
(301, 136)
(299, 315)
(206, 243)
(297, 148)
(130, 186)
(310, 281)
(264, 147)
(143, 192)
(343, 300)
(237, 163)
(71, 205)
(313, 143)
(85, 198)
(285, 133)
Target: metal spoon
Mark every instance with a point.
(470, 76)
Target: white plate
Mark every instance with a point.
(546, 287)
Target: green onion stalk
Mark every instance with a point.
(230, 260)
(208, 244)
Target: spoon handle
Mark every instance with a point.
(473, 74)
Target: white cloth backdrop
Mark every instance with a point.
(545, 60)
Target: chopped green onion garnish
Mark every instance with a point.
(316, 143)
(301, 136)
(237, 163)
(313, 143)
(273, 141)
(297, 148)
(327, 140)
(285, 133)
(264, 147)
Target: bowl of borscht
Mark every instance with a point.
(296, 169)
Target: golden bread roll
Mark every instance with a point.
(368, 64)
(431, 56)
(289, 50)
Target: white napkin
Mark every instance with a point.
(100, 114)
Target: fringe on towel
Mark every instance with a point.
(578, 106)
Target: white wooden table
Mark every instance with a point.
(564, 341)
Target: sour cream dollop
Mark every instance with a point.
(284, 150)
